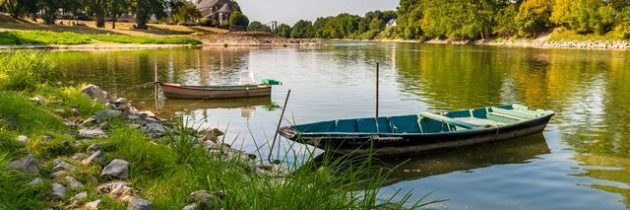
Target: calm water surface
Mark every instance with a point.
(581, 161)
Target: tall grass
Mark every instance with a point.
(14, 193)
(22, 115)
(72, 38)
(24, 70)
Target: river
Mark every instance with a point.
(580, 161)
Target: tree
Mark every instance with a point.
(117, 8)
(258, 26)
(302, 29)
(144, 8)
(99, 9)
(283, 30)
(238, 20)
(377, 24)
(533, 17)
(185, 11)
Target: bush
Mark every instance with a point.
(623, 30)
(208, 22)
(24, 70)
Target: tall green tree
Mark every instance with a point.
(534, 17)
(118, 7)
(283, 30)
(258, 26)
(184, 11)
(238, 20)
(303, 29)
(145, 8)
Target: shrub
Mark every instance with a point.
(208, 22)
(23, 70)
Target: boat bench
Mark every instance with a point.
(449, 120)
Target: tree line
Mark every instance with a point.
(470, 20)
(176, 11)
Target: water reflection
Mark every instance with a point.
(514, 151)
(247, 106)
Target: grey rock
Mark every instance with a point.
(97, 157)
(134, 126)
(57, 175)
(116, 189)
(92, 205)
(26, 164)
(62, 165)
(96, 93)
(58, 191)
(73, 183)
(92, 133)
(272, 170)
(117, 169)
(38, 99)
(22, 138)
(60, 111)
(95, 147)
(190, 207)
(79, 196)
(79, 156)
(106, 114)
(200, 196)
(137, 203)
(70, 124)
(35, 181)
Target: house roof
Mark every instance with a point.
(226, 8)
(205, 7)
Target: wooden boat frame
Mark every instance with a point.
(458, 133)
(172, 90)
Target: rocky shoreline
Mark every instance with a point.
(532, 43)
(114, 171)
(260, 40)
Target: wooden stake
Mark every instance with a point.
(155, 86)
(377, 74)
(275, 136)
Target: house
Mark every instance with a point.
(218, 10)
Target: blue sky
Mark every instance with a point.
(290, 11)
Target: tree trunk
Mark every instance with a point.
(114, 19)
(100, 21)
(142, 14)
(49, 16)
(100, 15)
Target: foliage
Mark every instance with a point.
(24, 116)
(237, 19)
(533, 17)
(185, 12)
(24, 70)
(208, 22)
(302, 29)
(283, 30)
(258, 26)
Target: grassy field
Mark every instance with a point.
(40, 37)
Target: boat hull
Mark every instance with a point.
(410, 144)
(208, 92)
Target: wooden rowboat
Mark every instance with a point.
(214, 92)
(406, 135)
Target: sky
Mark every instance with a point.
(290, 11)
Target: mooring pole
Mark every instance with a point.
(377, 73)
(155, 86)
(275, 136)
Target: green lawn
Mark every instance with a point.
(71, 38)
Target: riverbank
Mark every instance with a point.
(79, 147)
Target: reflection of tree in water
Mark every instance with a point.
(450, 77)
(588, 90)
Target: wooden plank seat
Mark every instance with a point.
(448, 120)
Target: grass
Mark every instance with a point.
(42, 37)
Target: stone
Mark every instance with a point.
(92, 133)
(38, 99)
(57, 175)
(27, 164)
(137, 203)
(103, 115)
(35, 181)
(62, 165)
(60, 111)
(22, 138)
(134, 126)
(272, 170)
(116, 189)
(79, 156)
(117, 169)
(79, 196)
(70, 124)
(95, 147)
(58, 191)
(96, 93)
(147, 114)
(190, 207)
(97, 157)
(200, 196)
(92, 205)
(73, 183)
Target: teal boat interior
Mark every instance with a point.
(426, 122)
